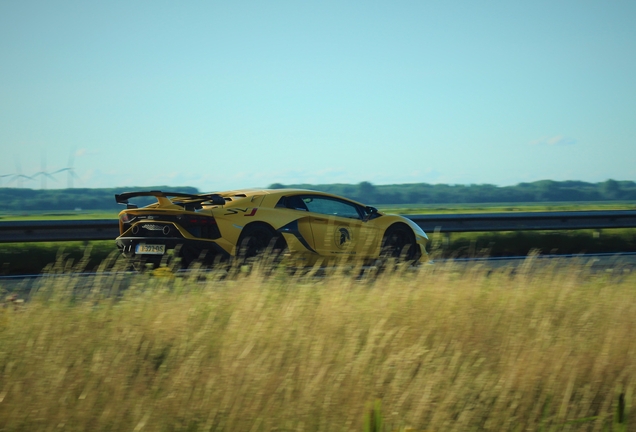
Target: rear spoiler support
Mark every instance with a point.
(214, 199)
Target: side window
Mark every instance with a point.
(331, 206)
(292, 202)
(296, 203)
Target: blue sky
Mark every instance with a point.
(221, 95)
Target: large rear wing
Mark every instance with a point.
(179, 198)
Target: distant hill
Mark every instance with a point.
(20, 199)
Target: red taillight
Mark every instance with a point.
(125, 218)
(201, 226)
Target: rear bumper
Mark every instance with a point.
(187, 248)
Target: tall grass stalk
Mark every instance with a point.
(441, 349)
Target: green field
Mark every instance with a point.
(32, 258)
(442, 348)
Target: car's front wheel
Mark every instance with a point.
(399, 244)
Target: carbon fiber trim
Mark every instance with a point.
(292, 228)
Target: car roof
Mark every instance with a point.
(247, 193)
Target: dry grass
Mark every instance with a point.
(442, 348)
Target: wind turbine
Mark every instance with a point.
(19, 176)
(3, 176)
(43, 173)
(69, 169)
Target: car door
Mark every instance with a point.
(335, 224)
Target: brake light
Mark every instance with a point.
(201, 221)
(200, 226)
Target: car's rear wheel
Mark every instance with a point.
(399, 244)
(187, 255)
(256, 240)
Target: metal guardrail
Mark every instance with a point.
(108, 229)
(526, 221)
(58, 230)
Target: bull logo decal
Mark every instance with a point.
(342, 237)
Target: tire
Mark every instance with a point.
(399, 244)
(258, 239)
(187, 256)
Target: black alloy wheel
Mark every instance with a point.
(256, 240)
(399, 243)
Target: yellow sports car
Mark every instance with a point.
(305, 225)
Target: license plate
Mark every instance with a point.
(150, 249)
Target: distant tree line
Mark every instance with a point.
(24, 200)
(423, 193)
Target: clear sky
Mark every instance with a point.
(234, 94)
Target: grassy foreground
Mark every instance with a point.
(438, 349)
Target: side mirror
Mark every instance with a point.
(370, 212)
